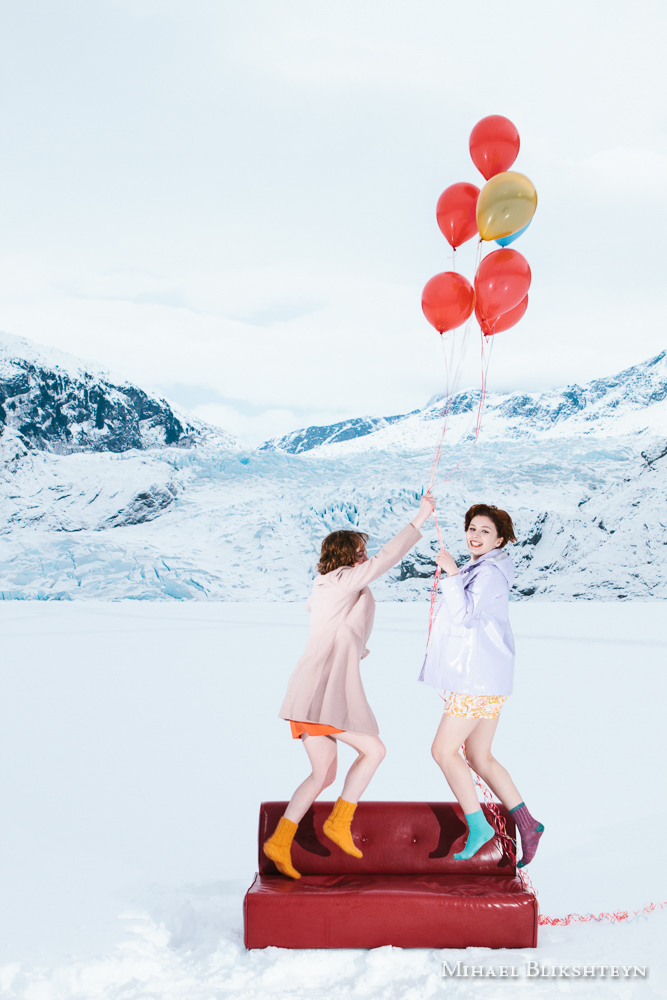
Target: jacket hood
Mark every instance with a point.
(500, 559)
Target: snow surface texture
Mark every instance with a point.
(131, 786)
(582, 470)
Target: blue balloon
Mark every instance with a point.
(505, 241)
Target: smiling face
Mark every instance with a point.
(482, 536)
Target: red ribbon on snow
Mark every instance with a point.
(615, 917)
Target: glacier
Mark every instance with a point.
(132, 497)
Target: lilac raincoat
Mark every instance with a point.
(471, 649)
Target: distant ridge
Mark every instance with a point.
(313, 437)
(635, 390)
(56, 403)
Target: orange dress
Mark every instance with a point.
(312, 729)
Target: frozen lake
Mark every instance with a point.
(137, 740)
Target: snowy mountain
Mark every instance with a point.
(168, 507)
(52, 406)
(56, 404)
(312, 437)
(635, 401)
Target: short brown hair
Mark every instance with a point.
(340, 549)
(500, 518)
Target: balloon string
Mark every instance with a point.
(461, 464)
(448, 401)
(446, 408)
(508, 845)
(444, 414)
(449, 394)
(487, 342)
(453, 370)
(458, 468)
(434, 585)
(615, 917)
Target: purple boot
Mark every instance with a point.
(530, 831)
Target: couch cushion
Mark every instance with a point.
(407, 911)
(400, 838)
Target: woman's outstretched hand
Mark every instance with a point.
(446, 562)
(426, 508)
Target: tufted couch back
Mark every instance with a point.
(396, 838)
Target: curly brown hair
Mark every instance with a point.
(500, 518)
(340, 549)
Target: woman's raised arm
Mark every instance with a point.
(352, 578)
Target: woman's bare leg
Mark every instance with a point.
(451, 734)
(322, 752)
(371, 752)
(478, 752)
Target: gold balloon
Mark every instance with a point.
(506, 204)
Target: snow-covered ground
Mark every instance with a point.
(137, 740)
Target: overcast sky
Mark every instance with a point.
(233, 201)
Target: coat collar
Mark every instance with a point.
(496, 556)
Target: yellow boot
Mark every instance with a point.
(277, 847)
(337, 827)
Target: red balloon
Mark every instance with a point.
(456, 213)
(503, 322)
(494, 145)
(447, 300)
(501, 282)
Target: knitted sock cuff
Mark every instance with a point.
(345, 809)
(523, 818)
(476, 820)
(477, 813)
(284, 832)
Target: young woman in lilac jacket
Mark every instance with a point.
(471, 656)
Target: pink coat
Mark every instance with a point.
(326, 683)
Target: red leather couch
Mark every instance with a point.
(406, 891)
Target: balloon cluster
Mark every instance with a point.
(501, 211)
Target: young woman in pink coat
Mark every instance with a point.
(325, 700)
(471, 656)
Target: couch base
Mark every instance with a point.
(407, 911)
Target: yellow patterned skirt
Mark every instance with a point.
(469, 706)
